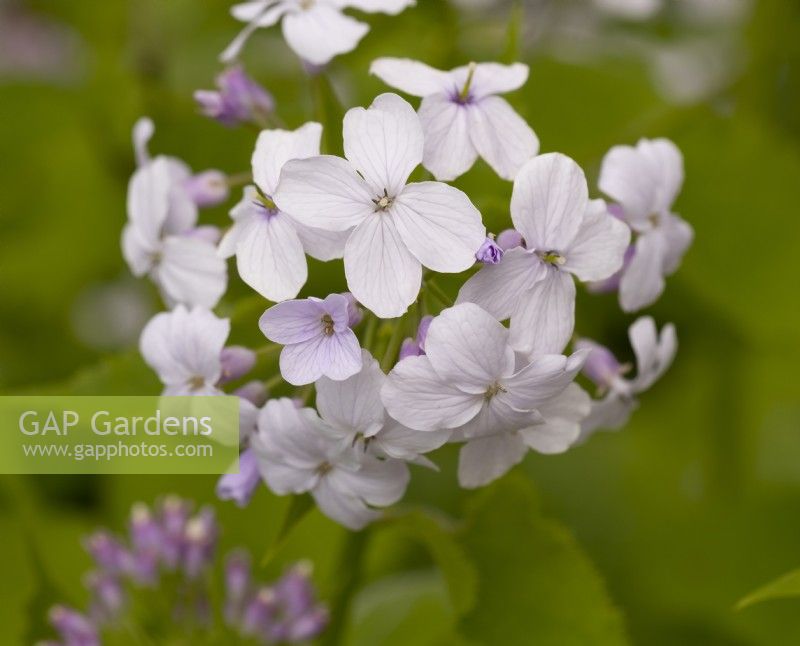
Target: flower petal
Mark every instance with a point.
(678, 236)
(598, 249)
(562, 427)
(337, 356)
(643, 280)
(439, 225)
(542, 379)
(610, 413)
(384, 143)
(397, 441)
(549, 201)
(417, 397)
(191, 272)
(276, 147)
(411, 77)
(494, 78)
(324, 192)
(292, 321)
(449, 151)
(376, 482)
(392, 7)
(321, 32)
(381, 272)
(501, 136)
(484, 459)
(654, 353)
(321, 244)
(545, 318)
(344, 508)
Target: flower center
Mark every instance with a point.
(493, 390)
(305, 5)
(265, 204)
(382, 202)
(551, 257)
(327, 325)
(324, 468)
(464, 95)
(196, 382)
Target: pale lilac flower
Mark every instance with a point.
(299, 616)
(269, 244)
(238, 99)
(184, 348)
(236, 362)
(316, 30)
(296, 456)
(398, 227)
(317, 336)
(157, 239)
(468, 380)
(510, 238)
(489, 253)
(645, 180)
(654, 355)
(75, 628)
(253, 391)
(463, 117)
(241, 486)
(416, 346)
(566, 234)
(208, 188)
(200, 541)
(355, 416)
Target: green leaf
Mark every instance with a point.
(298, 509)
(784, 587)
(536, 586)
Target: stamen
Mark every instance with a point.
(493, 390)
(383, 202)
(463, 96)
(196, 382)
(551, 257)
(327, 325)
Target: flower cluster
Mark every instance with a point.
(160, 577)
(396, 367)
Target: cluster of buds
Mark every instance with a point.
(165, 564)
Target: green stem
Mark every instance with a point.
(239, 179)
(369, 332)
(464, 94)
(393, 346)
(268, 349)
(438, 293)
(273, 381)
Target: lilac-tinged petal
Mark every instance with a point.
(498, 416)
(191, 272)
(397, 441)
(545, 318)
(643, 280)
(501, 136)
(321, 244)
(236, 362)
(376, 482)
(208, 188)
(324, 192)
(654, 352)
(610, 413)
(499, 288)
(510, 239)
(678, 235)
(276, 147)
(449, 151)
(489, 252)
(384, 143)
(601, 366)
(562, 426)
(344, 508)
(494, 78)
(417, 397)
(381, 272)
(542, 379)
(337, 356)
(468, 348)
(293, 321)
(598, 249)
(321, 32)
(548, 202)
(241, 486)
(439, 225)
(484, 459)
(411, 77)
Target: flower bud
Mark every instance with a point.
(238, 99)
(237, 585)
(74, 627)
(259, 612)
(108, 597)
(200, 538)
(109, 553)
(208, 188)
(174, 516)
(601, 365)
(509, 239)
(207, 232)
(241, 486)
(409, 348)
(253, 391)
(236, 362)
(489, 253)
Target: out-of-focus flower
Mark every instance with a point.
(236, 361)
(297, 456)
(238, 99)
(269, 244)
(416, 347)
(566, 234)
(509, 239)
(645, 180)
(317, 336)
(654, 355)
(398, 227)
(316, 31)
(241, 486)
(462, 116)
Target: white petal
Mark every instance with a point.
(598, 249)
(678, 235)
(498, 288)
(376, 482)
(353, 406)
(347, 509)
(664, 156)
(138, 249)
(501, 136)
(654, 353)
(191, 272)
(494, 78)
(148, 198)
(448, 147)
(542, 379)
(548, 202)
(324, 192)
(610, 413)
(381, 272)
(337, 356)
(562, 427)
(411, 77)
(417, 397)
(143, 131)
(403, 443)
(276, 147)
(321, 244)
(290, 435)
(545, 318)
(643, 281)
(484, 459)
(468, 348)
(384, 143)
(391, 7)
(439, 225)
(318, 34)
(257, 9)
(497, 416)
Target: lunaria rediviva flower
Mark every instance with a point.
(399, 227)
(463, 117)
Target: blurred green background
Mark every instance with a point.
(647, 536)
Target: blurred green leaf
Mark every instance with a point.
(786, 586)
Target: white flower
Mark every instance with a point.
(654, 355)
(316, 30)
(565, 234)
(296, 456)
(184, 347)
(270, 245)
(158, 239)
(463, 117)
(354, 414)
(398, 227)
(645, 180)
